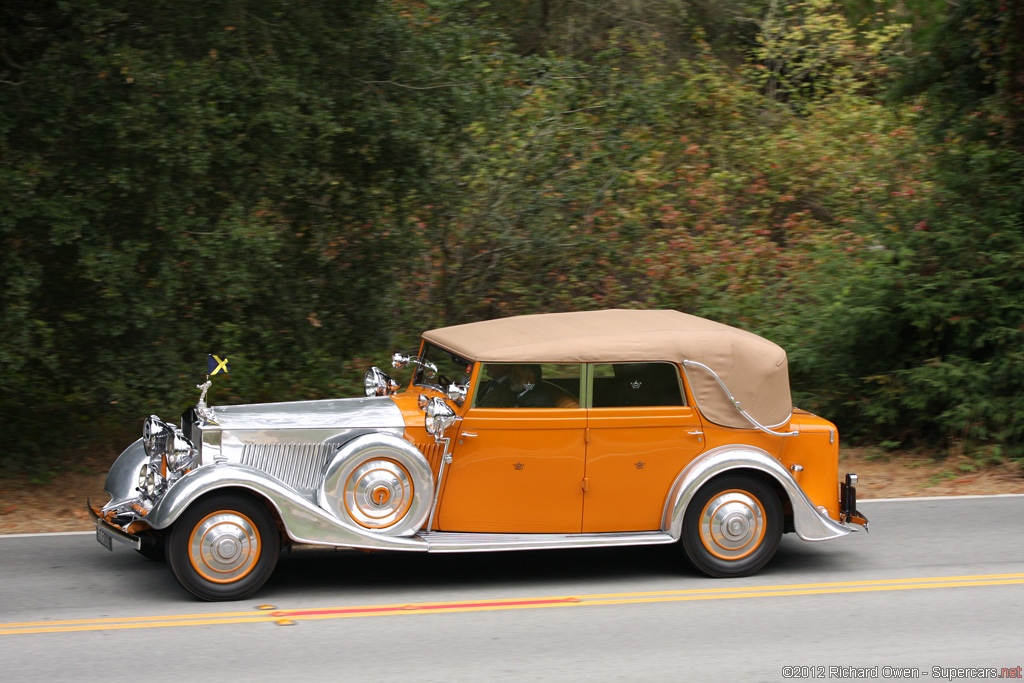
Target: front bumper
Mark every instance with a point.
(107, 532)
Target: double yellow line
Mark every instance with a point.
(270, 614)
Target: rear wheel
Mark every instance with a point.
(223, 547)
(732, 526)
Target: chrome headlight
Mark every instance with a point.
(180, 452)
(376, 383)
(149, 481)
(155, 433)
(161, 440)
(440, 416)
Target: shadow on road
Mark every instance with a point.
(649, 568)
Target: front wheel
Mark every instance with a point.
(732, 526)
(223, 547)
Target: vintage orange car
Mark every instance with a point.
(562, 430)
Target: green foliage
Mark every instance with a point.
(185, 178)
(944, 363)
(580, 29)
(306, 186)
(950, 298)
(970, 73)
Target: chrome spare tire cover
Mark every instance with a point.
(379, 482)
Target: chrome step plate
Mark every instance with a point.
(466, 542)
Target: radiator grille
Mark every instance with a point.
(300, 465)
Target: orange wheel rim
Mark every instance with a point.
(224, 546)
(732, 524)
(378, 493)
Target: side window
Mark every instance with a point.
(528, 385)
(618, 385)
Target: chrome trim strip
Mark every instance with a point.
(462, 542)
(735, 403)
(303, 521)
(808, 522)
(107, 529)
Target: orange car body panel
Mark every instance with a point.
(556, 470)
(516, 470)
(633, 456)
(815, 449)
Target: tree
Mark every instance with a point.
(183, 178)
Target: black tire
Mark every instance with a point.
(224, 547)
(153, 548)
(732, 526)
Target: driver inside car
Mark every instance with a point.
(524, 383)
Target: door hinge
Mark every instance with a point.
(585, 485)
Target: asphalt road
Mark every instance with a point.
(937, 586)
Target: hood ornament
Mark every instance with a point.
(202, 410)
(214, 365)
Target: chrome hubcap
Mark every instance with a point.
(378, 493)
(225, 547)
(732, 525)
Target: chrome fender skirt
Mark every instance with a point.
(123, 477)
(379, 482)
(303, 521)
(809, 523)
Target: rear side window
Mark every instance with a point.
(619, 385)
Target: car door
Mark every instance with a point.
(640, 435)
(518, 469)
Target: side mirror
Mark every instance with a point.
(457, 392)
(400, 360)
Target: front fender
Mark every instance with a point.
(809, 523)
(303, 521)
(123, 476)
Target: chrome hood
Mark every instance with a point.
(299, 436)
(350, 413)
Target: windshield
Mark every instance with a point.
(451, 369)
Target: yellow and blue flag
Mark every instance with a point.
(217, 364)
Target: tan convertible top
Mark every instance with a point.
(754, 369)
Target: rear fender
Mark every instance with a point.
(808, 522)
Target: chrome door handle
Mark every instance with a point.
(470, 434)
(695, 432)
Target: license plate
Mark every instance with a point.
(104, 540)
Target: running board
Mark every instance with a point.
(465, 542)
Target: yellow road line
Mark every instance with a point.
(839, 584)
(114, 620)
(289, 616)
